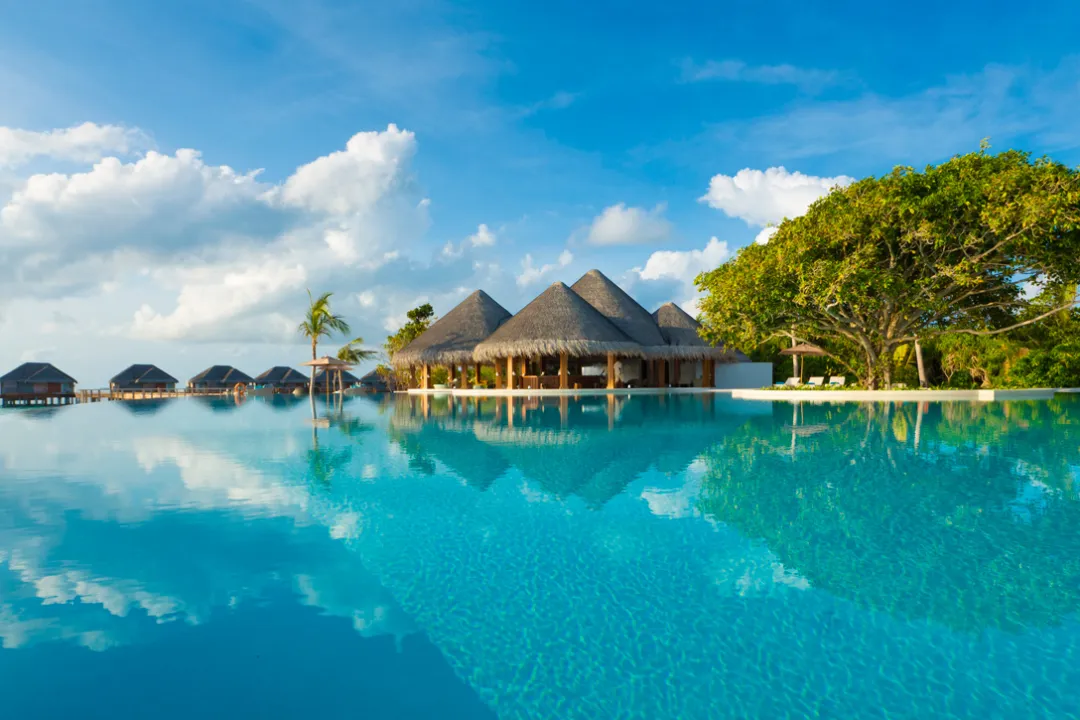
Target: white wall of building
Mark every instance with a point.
(743, 376)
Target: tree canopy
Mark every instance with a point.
(419, 320)
(953, 249)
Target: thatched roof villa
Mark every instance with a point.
(283, 378)
(219, 377)
(550, 331)
(143, 377)
(347, 379)
(564, 338)
(36, 383)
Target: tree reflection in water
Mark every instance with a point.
(972, 525)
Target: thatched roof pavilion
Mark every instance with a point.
(558, 322)
(453, 338)
(624, 312)
(681, 332)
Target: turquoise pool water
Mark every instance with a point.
(679, 557)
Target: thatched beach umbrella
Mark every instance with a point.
(558, 323)
(453, 338)
(803, 350)
(328, 364)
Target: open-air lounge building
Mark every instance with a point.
(283, 379)
(143, 377)
(36, 383)
(590, 335)
(219, 377)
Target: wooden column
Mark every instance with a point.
(675, 373)
(476, 369)
(661, 370)
(498, 376)
(510, 384)
(564, 379)
(450, 373)
(522, 371)
(611, 371)
(425, 378)
(708, 377)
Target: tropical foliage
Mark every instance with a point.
(355, 353)
(320, 322)
(871, 268)
(419, 320)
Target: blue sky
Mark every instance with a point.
(528, 144)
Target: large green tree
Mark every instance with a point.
(908, 256)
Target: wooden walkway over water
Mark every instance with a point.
(99, 395)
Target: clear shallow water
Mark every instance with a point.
(650, 558)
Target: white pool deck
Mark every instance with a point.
(816, 396)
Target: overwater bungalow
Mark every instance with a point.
(37, 383)
(451, 341)
(374, 382)
(283, 379)
(693, 360)
(143, 377)
(557, 341)
(219, 377)
(348, 380)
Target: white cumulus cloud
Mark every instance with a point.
(675, 270)
(353, 179)
(82, 143)
(766, 197)
(622, 225)
(531, 274)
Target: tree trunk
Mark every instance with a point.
(311, 386)
(919, 361)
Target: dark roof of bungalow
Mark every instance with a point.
(40, 372)
(558, 321)
(623, 311)
(138, 374)
(346, 377)
(281, 375)
(453, 337)
(682, 333)
(221, 375)
(373, 378)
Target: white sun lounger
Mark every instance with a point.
(817, 381)
(837, 381)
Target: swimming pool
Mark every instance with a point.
(654, 557)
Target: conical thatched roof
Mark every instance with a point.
(454, 336)
(681, 332)
(623, 311)
(559, 321)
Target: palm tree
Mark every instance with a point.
(320, 322)
(354, 355)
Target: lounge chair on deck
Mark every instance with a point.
(817, 381)
(790, 382)
(837, 381)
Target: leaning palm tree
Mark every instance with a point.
(320, 322)
(353, 354)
